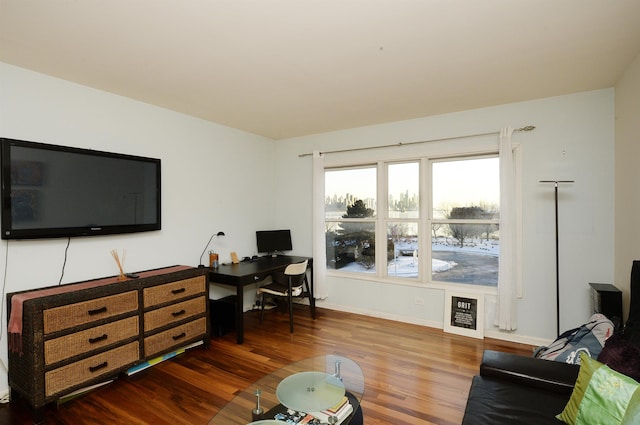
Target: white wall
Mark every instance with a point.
(627, 202)
(573, 140)
(212, 180)
(217, 178)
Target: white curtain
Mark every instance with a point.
(506, 317)
(321, 289)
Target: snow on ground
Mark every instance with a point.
(407, 265)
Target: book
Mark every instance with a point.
(81, 391)
(307, 419)
(341, 413)
(336, 407)
(145, 365)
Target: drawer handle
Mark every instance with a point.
(98, 367)
(97, 339)
(97, 311)
(178, 313)
(178, 291)
(177, 337)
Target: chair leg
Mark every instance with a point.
(312, 299)
(290, 307)
(262, 308)
(290, 313)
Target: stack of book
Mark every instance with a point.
(145, 365)
(341, 411)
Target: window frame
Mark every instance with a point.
(386, 219)
(469, 147)
(365, 220)
(431, 220)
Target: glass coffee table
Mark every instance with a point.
(318, 390)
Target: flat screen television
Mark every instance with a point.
(273, 241)
(51, 191)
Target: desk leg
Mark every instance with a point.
(312, 298)
(240, 314)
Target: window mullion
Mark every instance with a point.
(426, 219)
(381, 219)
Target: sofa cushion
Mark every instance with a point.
(602, 396)
(542, 374)
(496, 401)
(622, 356)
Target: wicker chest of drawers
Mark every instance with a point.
(76, 335)
(173, 313)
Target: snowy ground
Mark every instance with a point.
(407, 265)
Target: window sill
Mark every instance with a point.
(487, 290)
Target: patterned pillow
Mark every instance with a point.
(602, 396)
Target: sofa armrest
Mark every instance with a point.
(544, 374)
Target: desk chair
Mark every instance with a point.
(296, 285)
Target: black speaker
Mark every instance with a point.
(632, 327)
(634, 307)
(607, 299)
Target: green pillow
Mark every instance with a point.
(602, 396)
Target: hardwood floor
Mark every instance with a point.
(414, 375)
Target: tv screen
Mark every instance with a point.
(272, 241)
(53, 191)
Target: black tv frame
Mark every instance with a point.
(8, 231)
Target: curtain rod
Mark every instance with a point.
(525, 128)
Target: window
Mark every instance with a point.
(350, 214)
(465, 214)
(403, 206)
(452, 202)
(402, 257)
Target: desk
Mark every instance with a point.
(246, 273)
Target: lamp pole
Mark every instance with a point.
(555, 185)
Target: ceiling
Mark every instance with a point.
(285, 68)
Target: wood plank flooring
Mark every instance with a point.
(414, 375)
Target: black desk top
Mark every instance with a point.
(247, 272)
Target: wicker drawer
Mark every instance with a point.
(68, 316)
(65, 347)
(91, 368)
(161, 341)
(174, 291)
(173, 313)
(84, 333)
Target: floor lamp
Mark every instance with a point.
(555, 185)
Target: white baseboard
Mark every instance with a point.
(380, 315)
(488, 333)
(519, 339)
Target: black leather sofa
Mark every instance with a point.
(514, 389)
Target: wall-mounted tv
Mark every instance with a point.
(272, 241)
(51, 191)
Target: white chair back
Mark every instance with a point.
(296, 269)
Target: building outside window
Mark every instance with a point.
(451, 202)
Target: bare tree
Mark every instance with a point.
(491, 211)
(462, 231)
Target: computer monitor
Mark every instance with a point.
(273, 241)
